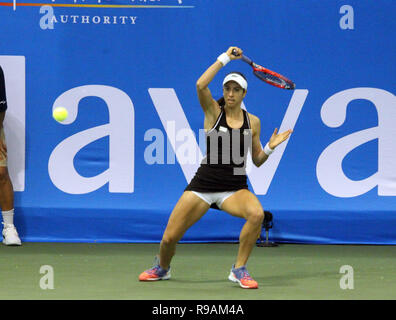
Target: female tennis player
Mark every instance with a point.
(221, 178)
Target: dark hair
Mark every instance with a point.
(221, 101)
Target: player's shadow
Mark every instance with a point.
(207, 280)
(288, 280)
(282, 280)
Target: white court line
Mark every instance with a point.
(14, 5)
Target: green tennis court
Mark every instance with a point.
(199, 271)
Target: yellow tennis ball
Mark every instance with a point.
(59, 114)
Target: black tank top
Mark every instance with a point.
(223, 168)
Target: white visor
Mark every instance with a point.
(237, 78)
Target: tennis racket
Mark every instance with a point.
(267, 75)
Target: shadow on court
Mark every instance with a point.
(199, 271)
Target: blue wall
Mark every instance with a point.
(128, 74)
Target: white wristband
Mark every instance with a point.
(224, 58)
(268, 150)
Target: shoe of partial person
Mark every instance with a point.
(155, 273)
(242, 276)
(10, 235)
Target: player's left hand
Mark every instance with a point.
(276, 139)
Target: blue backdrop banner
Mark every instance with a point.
(126, 71)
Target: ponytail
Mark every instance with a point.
(221, 102)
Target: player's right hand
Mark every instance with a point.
(238, 53)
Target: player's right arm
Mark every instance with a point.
(208, 104)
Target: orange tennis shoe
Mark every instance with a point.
(155, 273)
(242, 276)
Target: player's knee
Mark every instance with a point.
(256, 215)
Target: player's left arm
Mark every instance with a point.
(258, 154)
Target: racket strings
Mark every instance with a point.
(269, 77)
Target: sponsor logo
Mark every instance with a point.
(49, 18)
(101, 4)
(246, 132)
